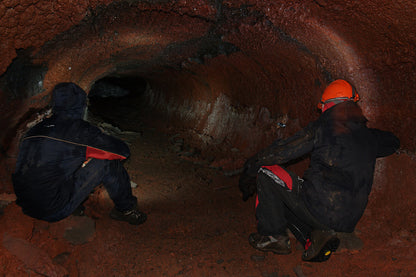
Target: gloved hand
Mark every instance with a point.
(247, 182)
(251, 166)
(247, 185)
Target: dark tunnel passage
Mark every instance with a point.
(120, 104)
(196, 87)
(118, 101)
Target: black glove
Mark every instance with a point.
(247, 185)
(247, 182)
(251, 166)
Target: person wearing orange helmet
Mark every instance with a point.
(333, 192)
(338, 91)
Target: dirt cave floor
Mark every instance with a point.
(197, 226)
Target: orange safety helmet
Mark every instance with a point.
(339, 90)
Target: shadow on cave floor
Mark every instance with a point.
(197, 226)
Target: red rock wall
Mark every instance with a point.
(229, 70)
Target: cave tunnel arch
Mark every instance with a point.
(201, 64)
(226, 71)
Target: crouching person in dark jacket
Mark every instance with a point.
(63, 158)
(334, 190)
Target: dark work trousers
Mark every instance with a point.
(279, 208)
(110, 173)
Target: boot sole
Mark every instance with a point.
(325, 253)
(115, 216)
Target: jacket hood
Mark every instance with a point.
(69, 101)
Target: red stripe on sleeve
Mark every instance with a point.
(102, 155)
(282, 174)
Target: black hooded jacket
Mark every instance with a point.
(54, 149)
(343, 155)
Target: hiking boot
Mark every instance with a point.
(133, 216)
(277, 244)
(321, 246)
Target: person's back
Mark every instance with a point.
(51, 177)
(340, 176)
(333, 192)
(46, 161)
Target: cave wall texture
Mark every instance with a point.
(227, 70)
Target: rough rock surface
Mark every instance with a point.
(226, 76)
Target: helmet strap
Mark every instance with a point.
(332, 102)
